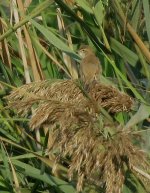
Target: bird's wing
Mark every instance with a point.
(91, 63)
(90, 68)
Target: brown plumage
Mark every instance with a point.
(90, 68)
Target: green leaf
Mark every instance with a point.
(53, 39)
(4, 72)
(98, 44)
(133, 184)
(6, 133)
(136, 13)
(146, 6)
(140, 115)
(124, 52)
(126, 189)
(7, 174)
(51, 180)
(99, 12)
(85, 5)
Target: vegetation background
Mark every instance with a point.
(39, 40)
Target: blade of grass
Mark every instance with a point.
(35, 173)
(137, 95)
(8, 176)
(48, 162)
(42, 6)
(5, 51)
(14, 175)
(5, 73)
(49, 55)
(65, 32)
(146, 7)
(143, 62)
(53, 39)
(140, 115)
(99, 13)
(132, 32)
(36, 72)
(124, 52)
(85, 5)
(136, 14)
(21, 45)
(86, 28)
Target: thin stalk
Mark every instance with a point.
(33, 14)
(21, 44)
(132, 32)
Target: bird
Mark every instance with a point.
(90, 66)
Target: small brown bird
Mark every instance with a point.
(90, 65)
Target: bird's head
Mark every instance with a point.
(84, 51)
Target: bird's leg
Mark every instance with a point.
(87, 85)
